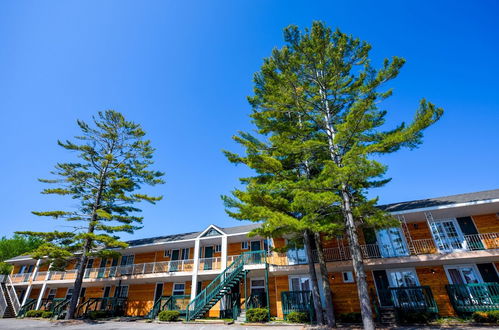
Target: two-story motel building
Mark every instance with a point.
(444, 257)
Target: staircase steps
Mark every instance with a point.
(9, 312)
(241, 318)
(388, 316)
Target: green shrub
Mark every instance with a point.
(97, 314)
(47, 314)
(353, 317)
(298, 317)
(34, 313)
(257, 315)
(415, 317)
(486, 317)
(169, 316)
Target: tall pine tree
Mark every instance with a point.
(114, 163)
(322, 81)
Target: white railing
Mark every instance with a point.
(20, 278)
(60, 276)
(3, 303)
(210, 264)
(482, 241)
(40, 276)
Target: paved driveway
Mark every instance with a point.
(24, 324)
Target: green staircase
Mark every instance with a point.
(223, 283)
(170, 303)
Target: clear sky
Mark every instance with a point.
(183, 70)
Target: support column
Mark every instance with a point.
(44, 287)
(224, 252)
(194, 280)
(30, 285)
(40, 297)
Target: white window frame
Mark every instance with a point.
(173, 288)
(127, 259)
(244, 245)
(257, 286)
(167, 253)
(449, 278)
(218, 248)
(412, 270)
(392, 251)
(349, 279)
(458, 231)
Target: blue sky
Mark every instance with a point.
(183, 70)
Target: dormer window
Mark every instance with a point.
(212, 232)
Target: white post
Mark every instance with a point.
(194, 280)
(42, 292)
(30, 285)
(224, 252)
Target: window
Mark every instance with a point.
(296, 255)
(348, 277)
(178, 289)
(51, 294)
(244, 245)
(463, 274)
(267, 245)
(185, 254)
(218, 248)
(391, 242)
(212, 232)
(168, 253)
(82, 292)
(127, 260)
(90, 263)
(447, 235)
(22, 269)
(299, 283)
(402, 278)
(69, 293)
(121, 291)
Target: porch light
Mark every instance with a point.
(433, 271)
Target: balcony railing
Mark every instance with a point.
(20, 278)
(416, 298)
(469, 298)
(210, 264)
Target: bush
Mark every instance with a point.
(47, 314)
(353, 317)
(415, 317)
(486, 317)
(34, 313)
(257, 315)
(169, 316)
(97, 314)
(298, 317)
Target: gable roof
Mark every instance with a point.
(441, 201)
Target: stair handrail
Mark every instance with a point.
(30, 302)
(158, 305)
(3, 303)
(226, 276)
(81, 305)
(59, 307)
(13, 295)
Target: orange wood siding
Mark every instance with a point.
(140, 299)
(277, 284)
(486, 223)
(345, 297)
(419, 230)
(35, 292)
(437, 283)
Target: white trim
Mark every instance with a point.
(247, 245)
(257, 279)
(290, 277)
(449, 278)
(448, 206)
(211, 227)
(459, 232)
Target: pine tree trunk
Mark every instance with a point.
(358, 264)
(313, 278)
(77, 285)
(326, 286)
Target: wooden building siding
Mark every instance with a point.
(140, 299)
(486, 223)
(419, 230)
(437, 282)
(345, 297)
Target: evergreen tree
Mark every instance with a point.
(114, 161)
(323, 83)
